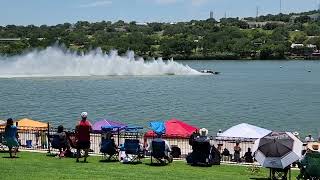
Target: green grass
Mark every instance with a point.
(40, 166)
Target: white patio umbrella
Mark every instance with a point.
(277, 150)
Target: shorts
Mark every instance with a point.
(12, 142)
(83, 145)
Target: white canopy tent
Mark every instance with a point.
(244, 131)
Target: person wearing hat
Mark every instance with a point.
(219, 132)
(83, 130)
(203, 134)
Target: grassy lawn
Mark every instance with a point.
(40, 166)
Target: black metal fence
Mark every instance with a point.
(39, 139)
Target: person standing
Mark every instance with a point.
(10, 136)
(83, 130)
(237, 150)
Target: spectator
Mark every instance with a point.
(237, 150)
(193, 137)
(83, 130)
(226, 155)
(167, 147)
(10, 136)
(219, 133)
(37, 134)
(248, 158)
(63, 141)
(309, 138)
(43, 136)
(203, 135)
(220, 147)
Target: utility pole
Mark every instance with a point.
(211, 14)
(280, 6)
(257, 13)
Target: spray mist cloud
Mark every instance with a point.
(56, 61)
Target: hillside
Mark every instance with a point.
(264, 37)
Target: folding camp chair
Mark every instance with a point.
(201, 154)
(132, 150)
(2, 141)
(281, 174)
(310, 166)
(109, 150)
(158, 152)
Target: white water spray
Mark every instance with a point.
(55, 61)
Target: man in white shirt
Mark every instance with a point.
(167, 147)
(309, 138)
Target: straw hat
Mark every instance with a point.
(204, 132)
(314, 146)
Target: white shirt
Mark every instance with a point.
(167, 146)
(309, 139)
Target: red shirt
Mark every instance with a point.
(83, 130)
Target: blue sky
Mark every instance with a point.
(23, 12)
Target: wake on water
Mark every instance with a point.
(55, 61)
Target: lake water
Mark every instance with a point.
(256, 92)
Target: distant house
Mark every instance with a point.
(311, 46)
(313, 17)
(120, 29)
(294, 45)
(9, 39)
(141, 23)
(255, 24)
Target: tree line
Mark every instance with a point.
(264, 37)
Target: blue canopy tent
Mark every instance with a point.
(158, 127)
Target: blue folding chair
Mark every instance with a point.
(109, 149)
(132, 150)
(159, 152)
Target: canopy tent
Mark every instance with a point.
(175, 128)
(244, 131)
(97, 126)
(158, 127)
(26, 123)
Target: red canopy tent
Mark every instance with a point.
(175, 129)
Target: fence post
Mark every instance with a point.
(48, 136)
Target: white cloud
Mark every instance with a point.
(96, 4)
(198, 2)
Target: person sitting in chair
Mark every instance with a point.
(248, 158)
(193, 137)
(62, 141)
(167, 147)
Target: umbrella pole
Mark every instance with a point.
(48, 135)
(118, 137)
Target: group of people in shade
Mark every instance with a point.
(83, 129)
(225, 153)
(82, 135)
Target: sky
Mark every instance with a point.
(51, 12)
